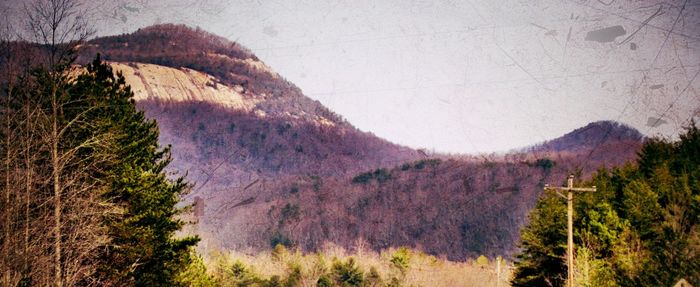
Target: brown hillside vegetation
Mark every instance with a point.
(451, 208)
(206, 133)
(263, 182)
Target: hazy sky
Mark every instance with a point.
(463, 76)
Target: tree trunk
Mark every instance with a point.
(55, 162)
(7, 205)
(28, 165)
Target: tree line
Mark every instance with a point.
(85, 196)
(641, 228)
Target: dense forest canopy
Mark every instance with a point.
(641, 228)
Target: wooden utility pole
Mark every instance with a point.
(498, 271)
(570, 222)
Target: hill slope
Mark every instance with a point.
(273, 166)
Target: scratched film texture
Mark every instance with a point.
(461, 76)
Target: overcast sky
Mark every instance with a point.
(463, 76)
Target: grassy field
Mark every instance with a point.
(391, 267)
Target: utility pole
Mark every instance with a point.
(498, 271)
(570, 222)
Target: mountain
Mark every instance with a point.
(602, 143)
(271, 165)
(590, 136)
(214, 97)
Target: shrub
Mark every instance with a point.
(239, 275)
(195, 274)
(545, 163)
(347, 274)
(434, 162)
(289, 212)
(294, 276)
(282, 128)
(394, 282)
(374, 279)
(431, 162)
(401, 259)
(324, 281)
(317, 182)
(280, 239)
(482, 261)
(382, 175)
(274, 281)
(591, 271)
(362, 178)
(279, 252)
(363, 202)
(294, 188)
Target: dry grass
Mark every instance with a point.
(422, 269)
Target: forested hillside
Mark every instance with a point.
(278, 167)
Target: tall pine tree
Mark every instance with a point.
(543, 245)
(143, 250)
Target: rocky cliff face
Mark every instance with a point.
(159, 83)
(273, 166)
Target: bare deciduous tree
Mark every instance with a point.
(51, 200)
(7, 277)
(60, 25)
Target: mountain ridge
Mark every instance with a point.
(589, 136)
(268, 169)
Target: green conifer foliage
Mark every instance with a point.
(143, 250)
(541, 262)
(641, 228)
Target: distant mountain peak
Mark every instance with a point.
(179, 46)
(591, 135)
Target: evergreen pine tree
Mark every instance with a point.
(143, 250)
(543, 244)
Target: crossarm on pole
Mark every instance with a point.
(564, 188)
